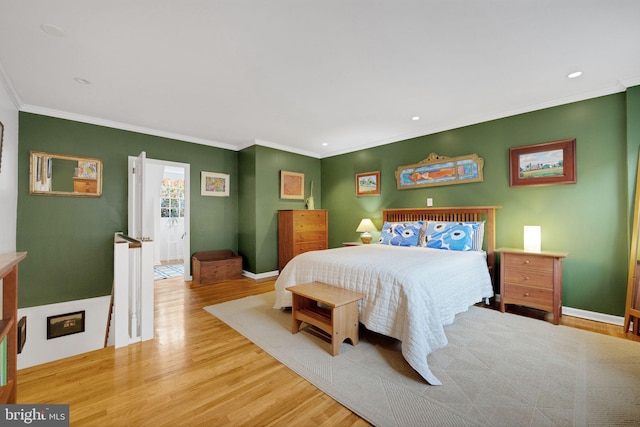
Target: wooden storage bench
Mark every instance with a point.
(215, 266)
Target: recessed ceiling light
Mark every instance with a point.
(52, 30)
(324, 144)
(82, 81)
(575, 74)
(414, 118)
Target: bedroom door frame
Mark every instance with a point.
(136, 208)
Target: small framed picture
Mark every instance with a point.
(368, 184)
(22, 333)
(214, 184)
(548, 163)
(65, 324)
(291, 185)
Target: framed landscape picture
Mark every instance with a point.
(368, 184)
(65, 324)
(549, 163)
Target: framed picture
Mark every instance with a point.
(65, 324)
(548, 163)
(214, 184)
(368, 184)
(22, 333)
(291, 185)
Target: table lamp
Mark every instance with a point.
(532, 240)
(366, 227)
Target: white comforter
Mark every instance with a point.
(411, 292)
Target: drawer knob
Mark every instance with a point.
(526, 277)
(526, 294)
(526, 261)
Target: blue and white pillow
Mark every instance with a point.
(455, 236)
(401, 233)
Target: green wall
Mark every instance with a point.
(588, 219)
(70, 240)
(260, 201)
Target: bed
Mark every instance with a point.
(413, 288)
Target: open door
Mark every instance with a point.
(136, 197)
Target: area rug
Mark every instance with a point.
(499, 369)
(161, 272)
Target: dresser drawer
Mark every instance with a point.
(310, 236)
(529, 277)
(528, 296)
(303, 218)
(310, 246)
(527, 261)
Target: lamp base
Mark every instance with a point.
(366, 238)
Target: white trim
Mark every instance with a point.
(633, 81)
(281, 147)
(592, 315)
(11, 91)
(620, 86)
(259, 276)
(123, 126)
(469, 121)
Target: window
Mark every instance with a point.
(172, 198)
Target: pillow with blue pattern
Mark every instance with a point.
(454, 236)
(401, 233)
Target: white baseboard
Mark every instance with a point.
(588, 315)
(592, 315)
(259, 276)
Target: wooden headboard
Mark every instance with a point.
(455, 214)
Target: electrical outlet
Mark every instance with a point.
(429, 201)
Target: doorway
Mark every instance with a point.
(165, 214)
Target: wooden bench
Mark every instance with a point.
(339, 319)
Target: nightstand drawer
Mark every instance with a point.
(528, 261)
(537, 278)
(530, 297)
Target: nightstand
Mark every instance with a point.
(532, 279)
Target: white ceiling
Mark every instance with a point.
(294, 74)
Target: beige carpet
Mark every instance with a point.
(499, 369)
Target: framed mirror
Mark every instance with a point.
(632, 308)
(64, 175)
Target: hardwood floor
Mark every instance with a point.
(197, 371)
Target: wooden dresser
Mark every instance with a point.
(301, 231)
(532, 279)
(85, 185)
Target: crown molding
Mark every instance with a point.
(123, 126)
(473, 120)
(8, 85)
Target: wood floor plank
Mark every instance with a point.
(196, 371)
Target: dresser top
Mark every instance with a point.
(556, 254)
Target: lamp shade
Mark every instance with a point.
(532, 239)
(366, 226)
